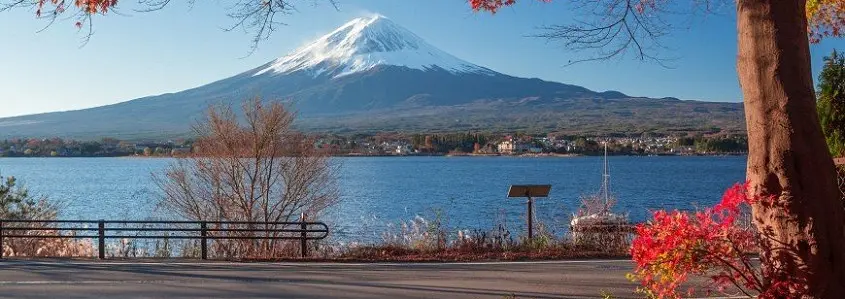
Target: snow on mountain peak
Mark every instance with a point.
(364, 43)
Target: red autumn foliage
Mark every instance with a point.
(675, 245)
(95, 6)
(86, 7)
(490, 5)
(494, 5)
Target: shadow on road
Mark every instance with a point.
(524, 280)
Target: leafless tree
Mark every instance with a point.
(258, 171)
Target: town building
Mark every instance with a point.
(509, 146)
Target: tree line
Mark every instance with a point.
(105, 147)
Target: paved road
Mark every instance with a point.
(86, 279)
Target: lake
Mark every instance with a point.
(379, 192)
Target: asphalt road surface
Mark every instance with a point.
(132, 279)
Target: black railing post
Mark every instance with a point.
(530, 219)
(1, 239)
(303, 237)
(203, 242)
(101, 236)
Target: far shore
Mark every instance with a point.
(538, 155)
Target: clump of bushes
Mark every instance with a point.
(717, 243)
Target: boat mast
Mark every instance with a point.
(605, 184)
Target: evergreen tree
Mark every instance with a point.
(831, 102)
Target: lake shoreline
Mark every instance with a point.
(541, 155)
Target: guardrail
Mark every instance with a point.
(219, 230)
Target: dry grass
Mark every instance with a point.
(555, 251)
(420, 240)
(36, 247)
(17, 204)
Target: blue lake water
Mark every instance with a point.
(469, 192)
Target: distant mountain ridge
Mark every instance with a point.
(372, 74)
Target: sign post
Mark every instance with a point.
(530, 192)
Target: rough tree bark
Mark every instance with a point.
(788, 157)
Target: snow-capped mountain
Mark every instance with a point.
(373, 74)
(365, 43)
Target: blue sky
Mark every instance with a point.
(140, 54)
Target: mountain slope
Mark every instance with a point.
(371, 74)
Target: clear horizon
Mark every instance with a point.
(135, 55)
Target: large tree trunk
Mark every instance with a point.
(788, 157)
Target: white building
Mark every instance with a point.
(403, 149)
(509, 146)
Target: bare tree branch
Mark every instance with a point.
(257, 17)
(613, 28)
(258, 170)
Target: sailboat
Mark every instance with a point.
(595, 214)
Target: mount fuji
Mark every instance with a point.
(371, 74)
(365, 43)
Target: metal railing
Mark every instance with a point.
(197, 230)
